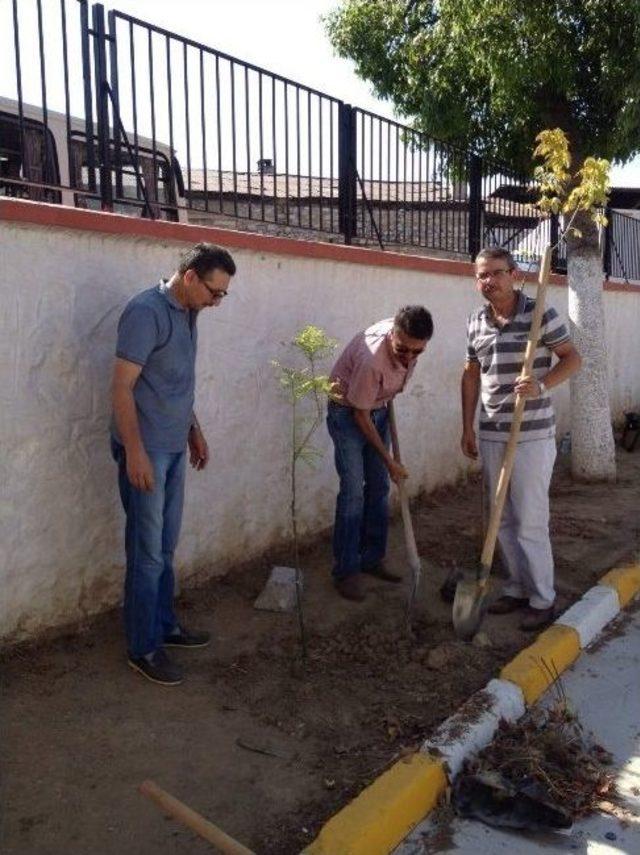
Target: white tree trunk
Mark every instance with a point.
(592, 445)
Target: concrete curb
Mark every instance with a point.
(377, 820)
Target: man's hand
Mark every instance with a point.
(527, 387)
(140, 470)
(469, 445)
(397, 472)
(198, 449)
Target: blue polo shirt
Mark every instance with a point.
(156, 332)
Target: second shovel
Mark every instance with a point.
(415, 564)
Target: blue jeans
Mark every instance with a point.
(362, 507)
(151, 536)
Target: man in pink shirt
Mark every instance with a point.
(369, 373)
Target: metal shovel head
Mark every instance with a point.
(469, 605)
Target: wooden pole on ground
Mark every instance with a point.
(193, 820)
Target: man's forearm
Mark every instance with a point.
(562, 370)
(363, 421)
(470, 390)
(126, 418)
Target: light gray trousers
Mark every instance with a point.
(524, 530)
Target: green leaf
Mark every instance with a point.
(490, 74)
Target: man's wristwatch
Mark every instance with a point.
(542, 389)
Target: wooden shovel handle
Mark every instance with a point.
(409, 537)
(207, 830)
(497, 506)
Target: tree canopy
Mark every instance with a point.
(490, 74)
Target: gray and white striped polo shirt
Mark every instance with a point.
(500, 352)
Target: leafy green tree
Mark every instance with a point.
(490, 75)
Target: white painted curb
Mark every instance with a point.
(474, 725)
(592, 613)
(467, 732)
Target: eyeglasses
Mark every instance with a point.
(216, 293)
(403, 349)
(490, 274)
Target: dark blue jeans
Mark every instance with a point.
(362, 508)
(151, 536)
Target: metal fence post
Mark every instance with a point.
(475, 205)
(606, 255)
(347, 179)
(85, 37)
(115, 97)
(102, 104)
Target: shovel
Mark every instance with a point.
(409, 538)
(471, 592)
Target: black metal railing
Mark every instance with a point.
(408, 188)
(622, 246)
(411, 189)
(37, 149)
(163, 126)
(252, 144)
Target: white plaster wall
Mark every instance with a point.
(622, 326)
(61, 554)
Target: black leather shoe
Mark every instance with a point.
(351, 588)
(536, 619)
(158, 668)
(186, 638)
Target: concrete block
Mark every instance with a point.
(625, 580)
(551, 653)
(279, 594)
(592, 613)
(473, 726)
(384, 813)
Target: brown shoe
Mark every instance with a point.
(505, 605)
(351, 587)
(537, 619)
(380, 571)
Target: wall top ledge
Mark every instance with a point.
(118, 225)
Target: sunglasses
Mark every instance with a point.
(216, 293)
(403, 349)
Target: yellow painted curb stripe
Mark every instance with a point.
(625, 580)
(558, 646)
(383, 814)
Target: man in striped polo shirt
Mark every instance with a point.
(497, 337)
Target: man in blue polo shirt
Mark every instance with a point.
(153, 424)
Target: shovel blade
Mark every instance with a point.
(469, 606)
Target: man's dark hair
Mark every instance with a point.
(205, 257)
(499, 253)
(414, 321)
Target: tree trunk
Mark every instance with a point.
(592, 446)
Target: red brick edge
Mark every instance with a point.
(59, 216)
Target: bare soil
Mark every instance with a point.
(262, 744)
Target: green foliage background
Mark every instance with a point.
(490, 74)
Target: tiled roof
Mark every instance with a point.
(304, 188)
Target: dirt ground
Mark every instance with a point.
(262, 745)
